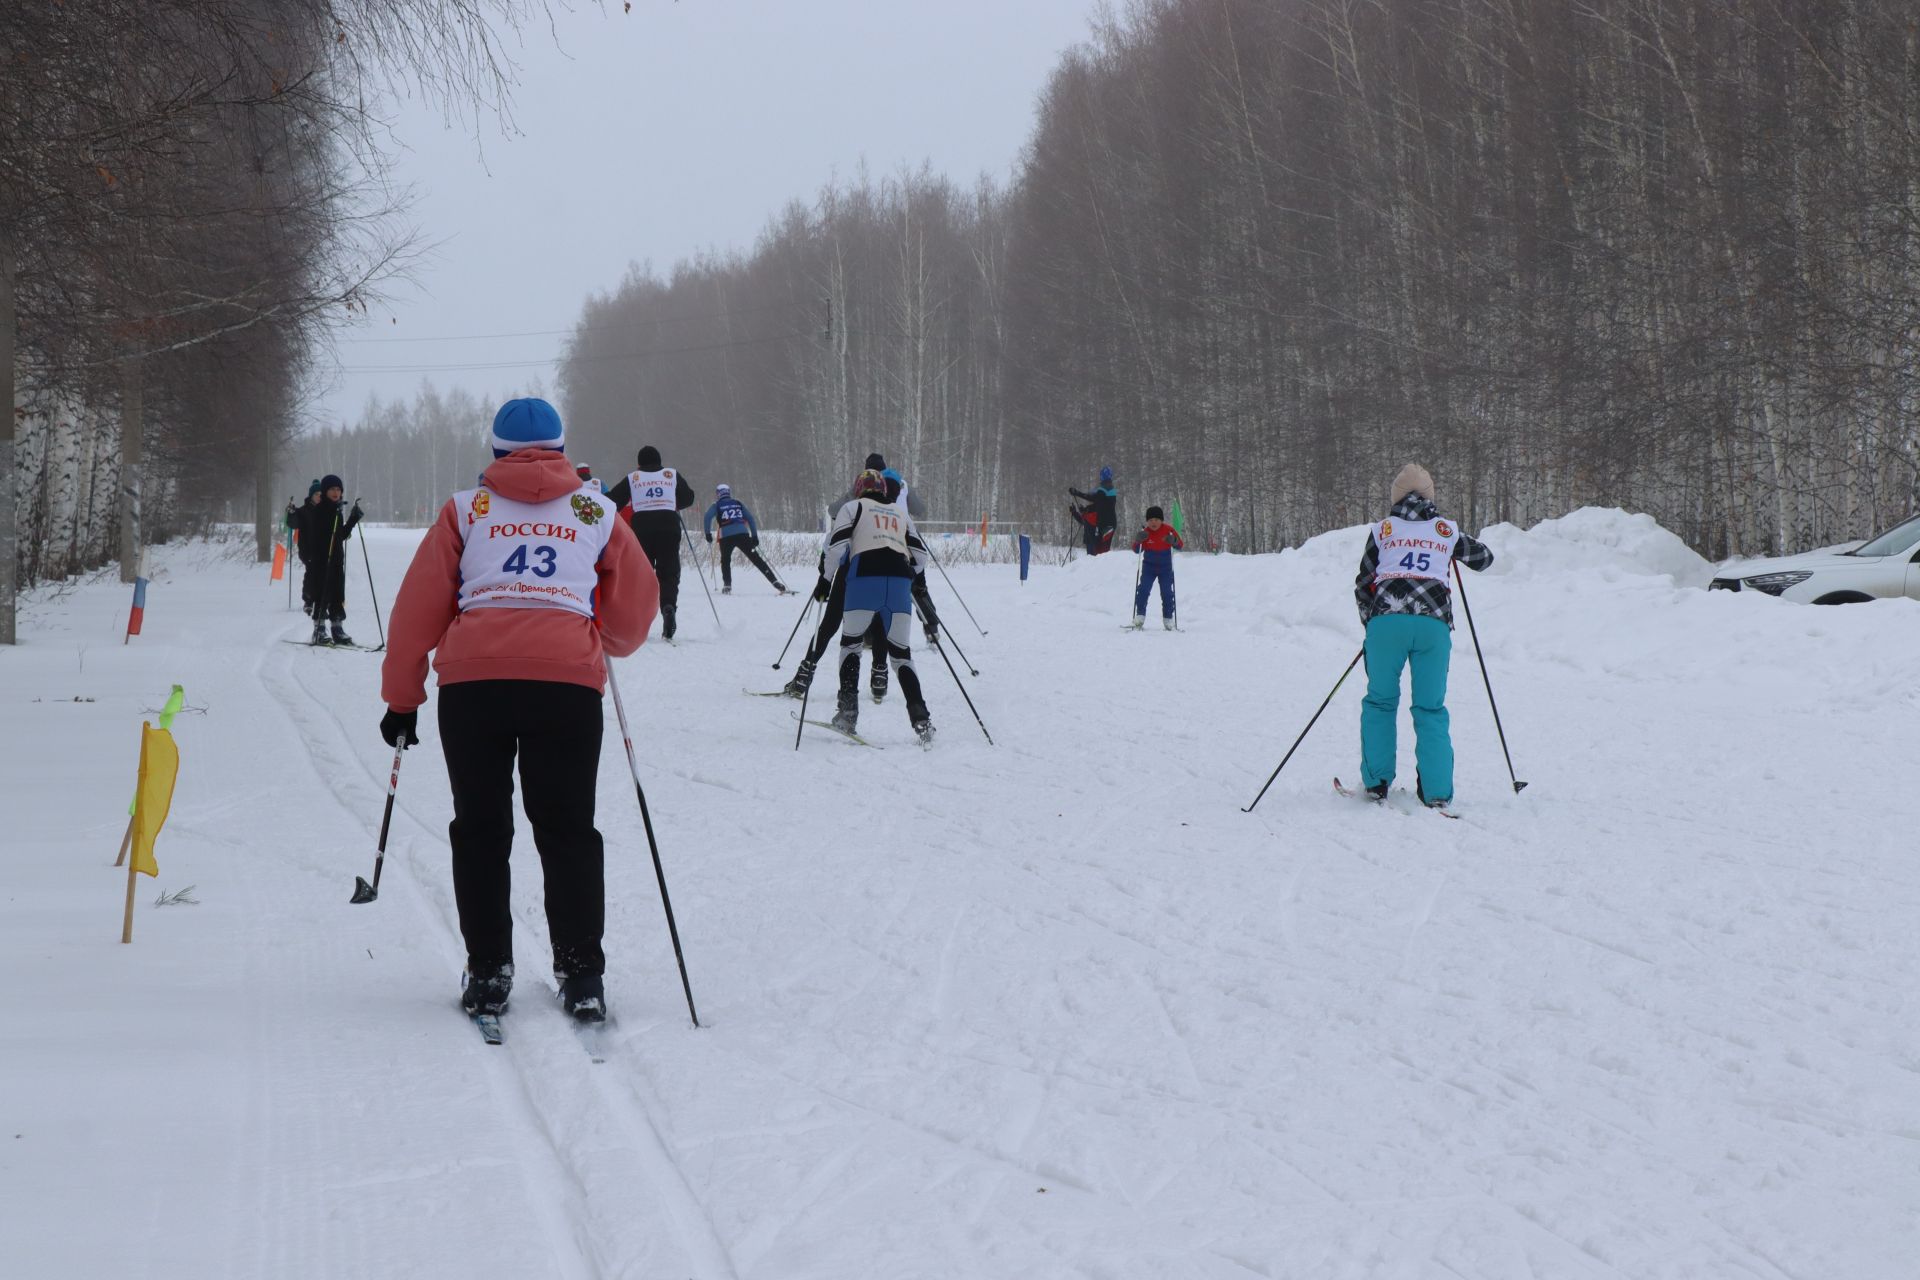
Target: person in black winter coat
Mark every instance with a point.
(656, 495)
(324, 527)
(1101, 514)
(293, 527)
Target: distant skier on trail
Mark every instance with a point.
(1100, 516)
(1155, 544)
(875, 547)
(739, 531)
(521, 590)
(585, 473)
(656, 495)
(324, 527)
(1406, 607)
(834, 589)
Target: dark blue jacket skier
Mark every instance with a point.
(739, 531)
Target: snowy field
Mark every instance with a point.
(1051, 1008)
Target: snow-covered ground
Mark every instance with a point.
(1050, 1008)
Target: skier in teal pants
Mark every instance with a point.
(1406, 606)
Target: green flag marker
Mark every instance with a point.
(1179, 521)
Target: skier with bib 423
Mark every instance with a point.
(1406, 607)
(521, 590)
(1156, 544)
(877, 550)
(656, 495)
(739, 531)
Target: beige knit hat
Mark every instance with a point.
(1413, 478)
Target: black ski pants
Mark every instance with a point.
(554, 729)
(324, 586)
(748, 547)
(662, 548)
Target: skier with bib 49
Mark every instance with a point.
(521, 590)
(1406, 607)
(875, 547)
(657, 494)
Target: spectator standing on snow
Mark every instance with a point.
(293, 529)
(656, 494)
(1406, 607)
(739, 531)
(1101, 514)
(521, 590)
(1155, 544)
(324, 526)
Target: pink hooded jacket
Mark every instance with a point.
(513, 644)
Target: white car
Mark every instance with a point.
(1882, 568)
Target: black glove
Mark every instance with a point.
(822, 589)
(753, 543)
(709, 535)
(397, 724)
(933, 630)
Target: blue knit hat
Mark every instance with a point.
(1106, 475)
(527, 424)
(895, 476)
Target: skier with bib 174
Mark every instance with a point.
(1156, 544)
(657, 494)
(1406, 607)
(739, 531)
(521, 590)
(875, 547)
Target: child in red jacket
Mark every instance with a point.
(1156, 544)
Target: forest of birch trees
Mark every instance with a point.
(192, 194)
(1661, 254)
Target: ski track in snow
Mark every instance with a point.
(1049, 1008)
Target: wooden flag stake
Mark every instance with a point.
(126, 928)
(126, 841)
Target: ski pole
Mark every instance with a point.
(956, 592)
(1303, 733)
(371, 589)
(289, 563)
(1139, 572)
(362, 891)
(805, 609)
(702, 573)
(646, 820)
(963, 689)
(971, 669)
(1461, 586)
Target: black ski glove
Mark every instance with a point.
(822, 589)
(397, 724)
(709, 536)
(933, 630)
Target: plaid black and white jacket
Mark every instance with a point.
(1421, 597)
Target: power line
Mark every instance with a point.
(654, 323)
(485, 366)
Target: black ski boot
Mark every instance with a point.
(847, 718)
(340, 635)
(319, 631)
(666, 624)
(584, 997)
(877, 682)
(1378, 791)
(485, 987)
(802, 680)
(917, 714)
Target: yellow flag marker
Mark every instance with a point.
(159, 766)
(175, 700)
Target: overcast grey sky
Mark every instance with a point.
(680, 126)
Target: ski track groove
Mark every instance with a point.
(565, 1222)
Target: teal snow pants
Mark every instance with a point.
(1396, 640)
